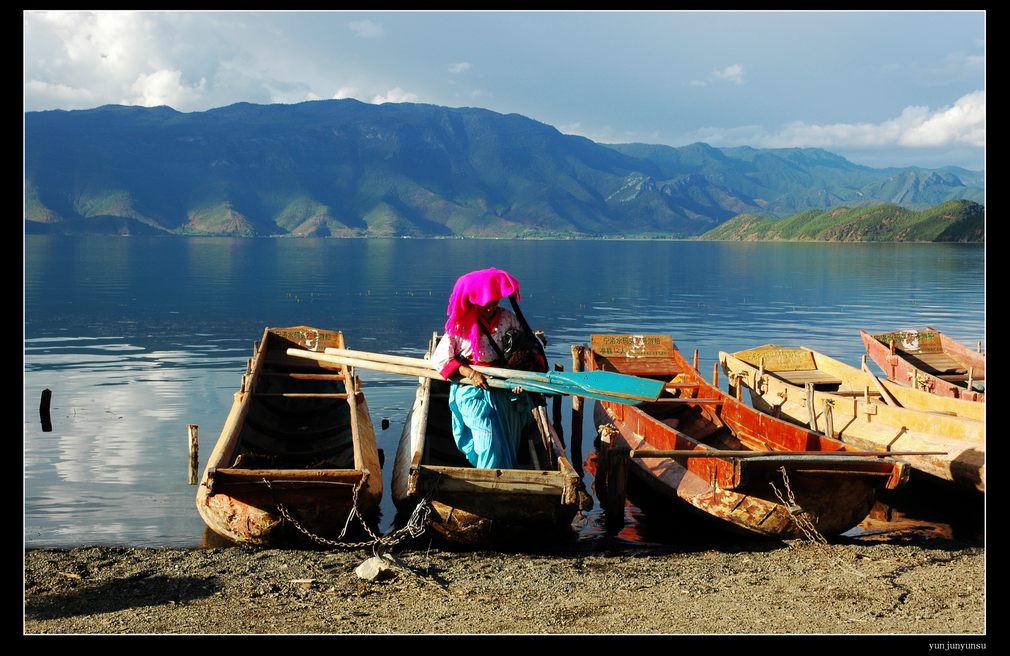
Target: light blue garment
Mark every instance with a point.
(487, 424)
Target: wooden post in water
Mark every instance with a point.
(576, 448)
(715, 375)
(611, 480)
(47, 423)
(696, 359)
(194, 453)
(556, 409)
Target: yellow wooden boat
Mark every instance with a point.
(860, 409)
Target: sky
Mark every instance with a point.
(879, 88)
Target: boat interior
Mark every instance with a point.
(298, 418)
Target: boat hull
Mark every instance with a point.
(910, 368)
(871, 424)
(297, 453)
(773, 495)
(481, 507)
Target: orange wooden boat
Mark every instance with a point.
(295, 450)
(701, 451)
(928, 360)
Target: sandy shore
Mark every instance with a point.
(911, 587)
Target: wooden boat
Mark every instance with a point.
(928, 360)
(699, 450)
(535, 503)
(295, 450)
(810, 389)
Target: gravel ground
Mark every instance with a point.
(910, 586)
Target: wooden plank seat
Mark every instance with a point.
(801, 377)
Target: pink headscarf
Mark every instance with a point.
(471, 291)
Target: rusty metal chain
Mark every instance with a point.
(414, 527)
(802, 520)
(799, 516)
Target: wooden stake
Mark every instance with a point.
(556, 408)
(47, 423)
(617, 480)
(696, 359)
(715, 374)
(829, 421)
(810, 407)
(194, 453)
(576, 447)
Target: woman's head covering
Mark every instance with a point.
(473, 290)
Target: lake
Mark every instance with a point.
(137, 337)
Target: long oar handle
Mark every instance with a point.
(497, 372)
(378, 357)
(392, 368)
(730, 453)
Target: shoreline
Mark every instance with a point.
(903, 585)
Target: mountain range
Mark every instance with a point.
(344, 168)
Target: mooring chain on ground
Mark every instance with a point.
(414, 527)
(802, 520)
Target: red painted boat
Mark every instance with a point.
(701, 451)
(928, 360)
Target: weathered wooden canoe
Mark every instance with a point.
(295, 449)
(929, 360)
(481, 507)
(812, 390)
(702, 451)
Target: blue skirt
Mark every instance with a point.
(487, 424)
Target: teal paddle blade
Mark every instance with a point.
(614, 386)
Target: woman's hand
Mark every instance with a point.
(477, 379)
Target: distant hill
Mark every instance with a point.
(953, 221)
(346, 168)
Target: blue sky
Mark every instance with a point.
(881, 88)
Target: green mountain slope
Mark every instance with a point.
(955, 221)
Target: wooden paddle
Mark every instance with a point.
(579, 383)
(617, 388)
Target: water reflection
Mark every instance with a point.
(139, 337)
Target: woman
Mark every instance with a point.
(486, 422)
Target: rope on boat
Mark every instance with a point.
(415, 526)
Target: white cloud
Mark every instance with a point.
(698, 83)
(366, 29)
(962, 124)
(345, 92)
(733, 73)
(460, 67)
(481, 93)
(163, 87)
(60, 95)
(394, 95)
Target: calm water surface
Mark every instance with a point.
(138, 337)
